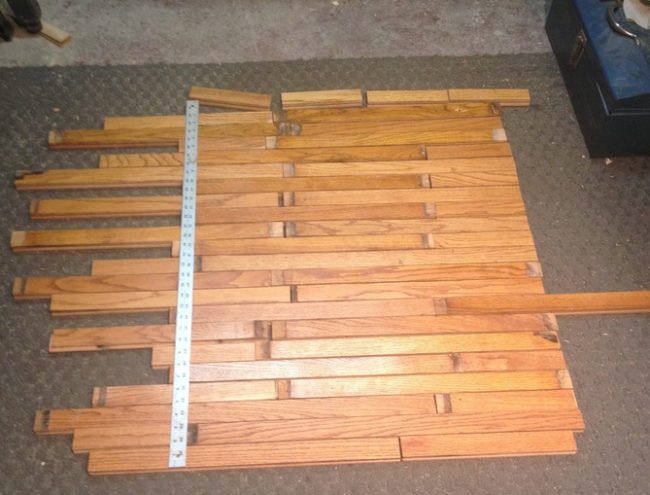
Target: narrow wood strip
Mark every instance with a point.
(217, 97)
(376, 365)
(43, 287)
(406, 112)
(97, 439)
(407, 273)
(135, 177)
(413, 325)
(583, 303)
(417, 384)
(130, 395)
(468, 150)
(468, 239)
(205, 119)
(213, 215)
(406, 97)
(487, 207)
(419, 226)
(64, 421)
(46, 209)
(134, 266)
(347, 259)
(141, 336)
(46, 240)
(141, 160)
(83, 303)
(390, 136)
(301, 245)
(436, 288)
(410, 344)
(247, 455)
(488, 444)
(313, 310)
(54, 34)
(438, 166)
(546, 400)
(504, 97)
(336, 98)
(162, 355)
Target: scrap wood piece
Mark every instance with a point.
(226, 98)
(503, 97)
(54, 34)
(205, 119)
(378, 98)
(335, 98)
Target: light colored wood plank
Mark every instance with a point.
(141, 336)
(410, 344)
(97, 439)
(436, 288)
(64, 421)
(83, 303)
(247, 455)
(205, 119)
(468, 239)
(418, 384)
(302, 245)
(488, 444)
(468, 150)
(581, 303)
(406, 97)
(413, 325)
(54, 34)
(162, 355)
(335, 98)
(140, 160)
(347, 259)
(134, 266)
(375, 365)
(408, 273)
(400, 112)
(533, 400)
(217, 97)
(43, 287)
(129, 395)
(504, 97)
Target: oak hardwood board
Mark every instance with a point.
(44, 287)
(407, 112)
(487, 444)
(131, 395)
(128, 160)
(124, 237)
(302, 245)
(396, 210)
(486, 207)
(416, 384)
(205, 119)
(136, 177)
(433, 166)
(134, 266)
(435, 288)
(135, 206)
(142, 336)
(97, 439)
(217, 97)
(402, 364)
(65, 421)
(333, 98)
(410, 226)
(162, 355)
(247, 455)
(413, 325)
(389, 136)
(533, 400)
(468, 150)
(406, 97)
(410, 344)
(484, 239)
(410, 273)
(580, 303)
(347, 259)
(504, 97)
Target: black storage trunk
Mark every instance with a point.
(607, 76)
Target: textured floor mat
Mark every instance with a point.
(590, 222)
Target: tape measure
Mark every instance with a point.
(183, 338)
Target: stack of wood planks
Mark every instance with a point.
(367, 286)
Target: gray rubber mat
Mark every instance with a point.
(589, 219)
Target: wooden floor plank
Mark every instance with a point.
(205, 352)
(205, 119)
(134, 266)
(504, 97)
(468, 150)
(378, 98)
(546, 400)
(217, 97)
(487, 444)
(419, 384)
(333, 98)
(247, 455)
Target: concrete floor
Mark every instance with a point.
(114, 32)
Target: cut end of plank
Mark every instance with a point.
(534, 269)
(499, 135)
(18, 239)
(41, 422)
(443, 403)
(19, 287)
(54, 138)
(564, 379)
(440, 306)
(54, 34)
